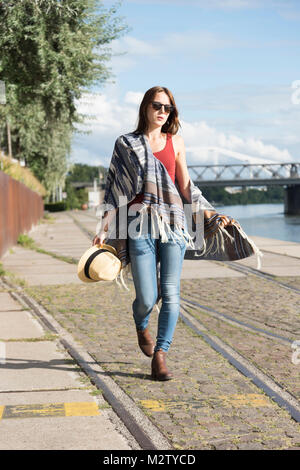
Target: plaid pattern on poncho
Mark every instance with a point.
(134, 169)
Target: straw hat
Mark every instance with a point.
(99, 264)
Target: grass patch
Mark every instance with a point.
(88, 311)
(27, 242)
(2, 270)
(96, 393)
(47, 219)
(13, 278)
(46, 337)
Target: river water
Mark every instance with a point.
(265, 220)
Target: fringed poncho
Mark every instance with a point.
(134, 169)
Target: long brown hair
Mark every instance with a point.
(171, 126)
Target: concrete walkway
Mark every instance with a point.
(65, 238)
(45, 401)
(281, 258)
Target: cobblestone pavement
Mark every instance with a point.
(293, 281)
(252, 300)
(259, 304)
(209, 404)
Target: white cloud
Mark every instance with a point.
(264, 112)
(257, 99)
(199, 135)
(107, 119)
(196, 43)
(129, 51)
(136, 46)
(133, 97)
(106, 115)
(113, 117)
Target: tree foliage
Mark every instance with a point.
(273, 194)
(83, 173)
(51, 52)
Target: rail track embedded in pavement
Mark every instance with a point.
(275, 391)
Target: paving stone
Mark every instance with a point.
(19, 325)
(279, 315)
(193, 416)
(251, 446)
(185, 422)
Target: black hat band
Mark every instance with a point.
(90, 260)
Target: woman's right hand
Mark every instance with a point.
(99, 239)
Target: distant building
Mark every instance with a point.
(95, 195)
(233, 190)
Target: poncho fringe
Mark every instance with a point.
(134, 169)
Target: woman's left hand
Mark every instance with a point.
(225, 220)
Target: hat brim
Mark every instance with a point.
(85, 257)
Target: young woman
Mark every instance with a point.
(158, 123)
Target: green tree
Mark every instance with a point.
(80, 172)
(51, 52)
(218, 195)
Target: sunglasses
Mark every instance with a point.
(167, 107)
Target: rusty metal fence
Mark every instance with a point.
(20, 209)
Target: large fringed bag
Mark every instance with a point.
(228, 243)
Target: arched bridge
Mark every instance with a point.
(246, 174)
(252, 171)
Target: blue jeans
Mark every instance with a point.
(143, 253)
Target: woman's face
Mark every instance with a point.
(158, 117)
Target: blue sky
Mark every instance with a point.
(230, 66)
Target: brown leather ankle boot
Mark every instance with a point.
(159, 367)
(145, 342)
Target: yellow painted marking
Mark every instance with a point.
(82, 409)
(249, 399)
(49, 409)
(33, 411)
(153, 405)
(235, 400)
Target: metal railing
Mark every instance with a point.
(246, 171)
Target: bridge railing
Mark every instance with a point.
(245, 171)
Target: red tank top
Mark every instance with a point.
(167, 158)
